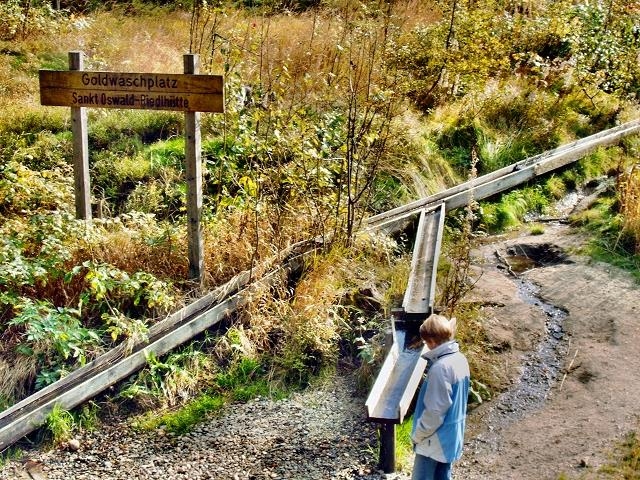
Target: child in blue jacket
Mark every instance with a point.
(441, 409)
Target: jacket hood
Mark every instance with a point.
(444, 349)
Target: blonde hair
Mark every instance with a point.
(438, 328)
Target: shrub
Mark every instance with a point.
(55, 336)
(47, 151)
(171, 380)
(605, 45)
(110, 290)
(25, 20)
(25, 190)
(29, 122)
(629, 192)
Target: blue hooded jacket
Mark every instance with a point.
(441, 408)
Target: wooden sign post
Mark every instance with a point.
(81, 180)
(191, 93)
(192, 150)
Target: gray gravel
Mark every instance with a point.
(321, 433)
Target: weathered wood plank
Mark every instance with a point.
(178, 102)
(187, 92)
(420, 292)
(82, 186)
(194, 183)
(395, 385)
(374, 400)
(132, 82)
(392, 220)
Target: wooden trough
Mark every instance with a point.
(392, 394)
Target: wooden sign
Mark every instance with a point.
(190, 93)
(150, 91)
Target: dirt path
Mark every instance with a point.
(590, 398)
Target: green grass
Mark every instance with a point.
(184, 419)
(536, 230)
(404, 446)
(167, 153)
(509, 211)
(242, 382)
(608, 243)
(61, 424)
(54, 61)
(604, 252)
(625, 461)
(128, 130)
(11, 453)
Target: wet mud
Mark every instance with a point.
(542, 368)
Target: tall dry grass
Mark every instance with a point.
(307, 57)
(629, 188)
(154, 42)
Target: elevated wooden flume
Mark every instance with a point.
(390, 397)
(389, 400)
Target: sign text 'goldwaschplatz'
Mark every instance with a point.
(181, 92)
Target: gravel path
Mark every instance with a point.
(321, 433)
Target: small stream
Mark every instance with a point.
(542, 369)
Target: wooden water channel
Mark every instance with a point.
(392, 393)
(402, 370)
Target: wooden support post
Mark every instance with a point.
(80, 149)
(387, 431)
(194, 182)
(388, 447)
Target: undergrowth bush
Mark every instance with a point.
(62, 313)
(170, 380)
(63, 424)
(23, 20)
(28, 121)
(511, 209)
(629, 191)
(55, 337)
(25, 190)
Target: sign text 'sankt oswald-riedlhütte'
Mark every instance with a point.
(151, 91)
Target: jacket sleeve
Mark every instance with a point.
(437, 401)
